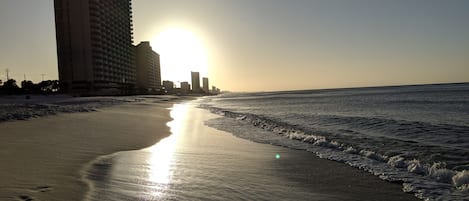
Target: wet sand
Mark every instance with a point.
(201, 163)
(41, 159)
(296, 169)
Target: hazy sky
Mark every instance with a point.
(263, 45)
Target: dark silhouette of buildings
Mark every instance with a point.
(94, 45)
(215, 90)
(185, 87)
(205, 86)
(147, 68)
(168, 86)
(195, 82)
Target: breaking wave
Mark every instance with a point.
(427, 180)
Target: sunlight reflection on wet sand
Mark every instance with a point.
(161, 156)
(197, 162)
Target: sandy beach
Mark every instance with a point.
(44, 158)
(198, 162)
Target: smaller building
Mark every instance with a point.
(215, 90)
(148, 68)
(168, 86)
(205, 86)
(185, 87)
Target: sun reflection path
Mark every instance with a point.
(161, 157)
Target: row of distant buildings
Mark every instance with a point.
(96, 54)
(185, 88)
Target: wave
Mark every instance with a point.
(432, 181)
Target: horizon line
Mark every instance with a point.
(356, 87)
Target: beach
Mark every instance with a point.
(42, 157)
(198, 162)
(79, 156)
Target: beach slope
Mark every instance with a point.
(41, 158)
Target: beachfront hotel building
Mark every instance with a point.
(147, 68)
(205, 85)
(185, 87)
(195, 82)
(94, 46)
(168, 86)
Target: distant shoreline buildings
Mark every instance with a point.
(195, 77)
(205, 85)
(96, 55)
(185, 88)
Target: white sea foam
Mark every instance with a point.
(428, 181)
(351, 150)
(414, 166)
(423, 180)
(439, 172)
(397, 161)
(461, 180)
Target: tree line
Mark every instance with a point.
(10, 87)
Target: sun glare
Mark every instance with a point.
(181, 52)
(161, 162)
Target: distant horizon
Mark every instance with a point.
(18, 82)
(352, 87)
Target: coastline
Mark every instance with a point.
(43, 157)
(198, 162)
(49, 156)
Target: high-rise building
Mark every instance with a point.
(205, 85)
(147, 68)
(195, 82)
(94, 45)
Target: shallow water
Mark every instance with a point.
(201, 163)
(196, 163)
(418, 135)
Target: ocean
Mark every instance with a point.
(416, 136)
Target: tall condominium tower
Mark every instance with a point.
(148, 68)
(195, 82)
(205, 85)
(94, 45)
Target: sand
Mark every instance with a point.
(201, 163)
(41, 158)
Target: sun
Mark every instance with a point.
(181, 52)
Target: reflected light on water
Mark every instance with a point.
(161, 157)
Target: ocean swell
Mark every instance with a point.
(433, 181)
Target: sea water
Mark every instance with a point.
(414, 135)
(197, 162)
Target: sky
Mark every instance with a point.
(269, 45)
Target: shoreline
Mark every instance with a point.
(45, 156)
(62, 176)
(203, 162)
